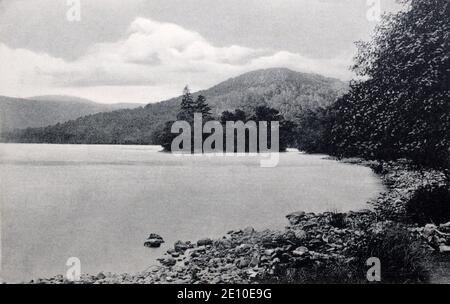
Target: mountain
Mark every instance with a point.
(41, 111)
(282, 89)
(285, 90)
(279, 88)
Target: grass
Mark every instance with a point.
(338, 220)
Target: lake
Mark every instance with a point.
(99, 203)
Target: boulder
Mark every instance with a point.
(154, 236)
(181, 246)
(153, 243)
(204, 242)
(300, 251)
(167, 261)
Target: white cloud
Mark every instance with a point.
(153, 57)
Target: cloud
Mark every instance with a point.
(153, 54)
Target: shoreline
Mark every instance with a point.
(309, 239)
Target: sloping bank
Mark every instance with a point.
(314, 248)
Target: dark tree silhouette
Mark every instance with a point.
(401, 108)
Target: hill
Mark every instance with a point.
(285, 90)
(280, 88)
(41, 111)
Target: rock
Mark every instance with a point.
(154, 241)
(243, 262)
(252, 274)
(295, 217)
(269, 252)
(300, 251)
(429, 229)
(444, 249)
(100, 276)
(254, 261)
(242, 248)
(309, 225)
(204, 242)
(181, 246)
(167, 261)
(249, 230)
(300, 234)
(154, 236)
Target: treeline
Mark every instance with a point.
(127, 126)
(189, 107)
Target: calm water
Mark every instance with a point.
(99, 203)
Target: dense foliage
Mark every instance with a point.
(189, 106)
(401, 107)
(430, 204)
(130, 126)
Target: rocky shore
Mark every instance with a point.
(308, 241)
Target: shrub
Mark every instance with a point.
(338, 220)
(402, 256)
(430, 204)
(335, 271)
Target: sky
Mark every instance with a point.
(148, 50)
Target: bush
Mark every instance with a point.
(338, 220)
(430, 204)
(402, 257)
(335, 271)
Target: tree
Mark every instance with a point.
(200, 106)
(401, 107)
(313, 130)
(187, 108)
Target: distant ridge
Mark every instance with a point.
(40, 111)
(61, 98)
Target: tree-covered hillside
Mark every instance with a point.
(282, 89)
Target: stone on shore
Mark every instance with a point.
(181, 246)
(300, 251)
(204, 242)
(167, 261)
(154, 241)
